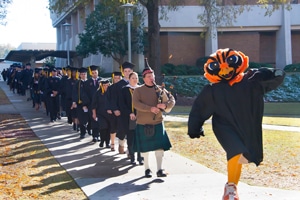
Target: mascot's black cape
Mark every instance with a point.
(236, 107)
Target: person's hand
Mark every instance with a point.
(161, 106)
(117, 113)
(74, 105)
(54, 93)
(132, 116)
(155, 110)
(196, 135)
(94, 116)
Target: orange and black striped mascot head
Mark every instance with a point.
(226, 65)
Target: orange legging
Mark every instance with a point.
(234, 169)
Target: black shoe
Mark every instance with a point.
(81, 136)
(74, 127)
(132, 159)
(89, 132)
(101, 144)
(148, 173)
(141, 162)
(140, 159)
(94, 140)
(52, 121)
(132, 162)
(160, 173)
(107, 146)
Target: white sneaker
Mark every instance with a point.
(230, 192)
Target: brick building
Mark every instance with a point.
(271, 39)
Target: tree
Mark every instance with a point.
(49, 61)
(3, 11)
(106, 32)
(152, 7)
(5, 49)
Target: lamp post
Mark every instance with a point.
(128, 18)
(67, 29)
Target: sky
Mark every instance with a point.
(27, 21)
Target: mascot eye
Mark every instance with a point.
(232, 59)
(213, 66)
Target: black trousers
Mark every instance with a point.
(53, 107)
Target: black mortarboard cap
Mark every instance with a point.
(117, 74)
(93, 67)
(37, 70)
(28, 64)
(67, 67)
(58, 68)
(147, 68)
(104, 81)
(52, 69)
(73, 68)
(45, 69)
(127, 64)
(82, 70)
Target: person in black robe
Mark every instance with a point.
(34, 87)
(100, 122)
(128, 117)
(126, 69)
(116, 77)
(25, 79)
(70, 83)
(90, 87)
(235, 101)
(52, 94)
(80, 102)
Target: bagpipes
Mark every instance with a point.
(163, 96)
(159, 94)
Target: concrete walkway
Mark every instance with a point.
(106, 175)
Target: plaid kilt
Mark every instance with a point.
(144, 143)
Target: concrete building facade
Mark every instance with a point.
(268, 39)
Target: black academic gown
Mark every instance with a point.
(236, 112)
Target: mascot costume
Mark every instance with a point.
(235, 100)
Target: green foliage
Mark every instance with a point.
(3, 11)
(288, 91)
(106, 32)
(200, 64)
(5, 49)
(190, 86)
(170, 69)
(50, 61)
(292, 68)
(259, 65)
(271, 6)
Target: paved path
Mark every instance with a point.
(106, 175)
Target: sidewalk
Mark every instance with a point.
(106, 175)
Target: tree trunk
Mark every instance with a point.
(154, 36)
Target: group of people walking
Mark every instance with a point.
(108, 109)
(18, 77)
(133, 113)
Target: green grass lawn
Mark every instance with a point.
(274, 109)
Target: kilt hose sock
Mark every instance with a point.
(145, 155)
(158, 155)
